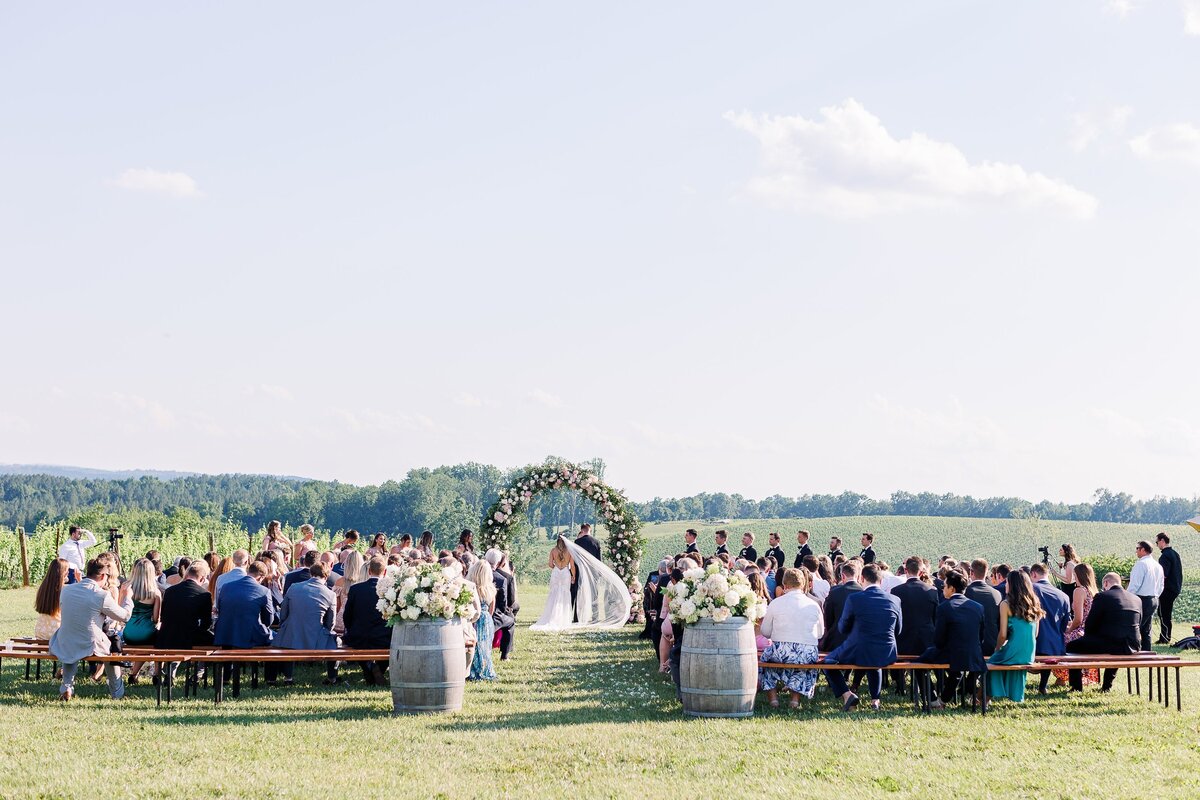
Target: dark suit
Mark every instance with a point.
(870, 622)
(1172, 569)
(918, 605)
(833, 554)
(722, 549)
(989, 599)
(835, 603)
(867, 555)
(365, 628)
(1112, 627)
(244, 615)
(691, 548)
(777, 554)
(804, 550)
(298, 574)
(589, 543)
(1053, 627)
(185, 617)
(749, 553)
(958, 639)
(504, 616)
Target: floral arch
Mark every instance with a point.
(625, 541)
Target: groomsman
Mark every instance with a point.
(835, 549)
(775, 551)
(721, 538)
(803, 549)
(868, 552)
(748, 552)
(689, 539)
(1172, 569)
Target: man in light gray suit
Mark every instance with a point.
(84, 607)
(306, 619)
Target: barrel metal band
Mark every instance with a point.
(738, 692)
(430, 685)
(716, 651)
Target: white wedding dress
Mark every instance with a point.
(601, 599)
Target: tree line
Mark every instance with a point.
(451, 498)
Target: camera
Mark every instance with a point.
(1045, 551)
(114, 534)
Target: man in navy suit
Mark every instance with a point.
(870, 621)
(989, 598)
(918, 605)
(365, 628)
(1052, 630)
(301, 572)
(244, 613)
(835, 603)
(957, 639)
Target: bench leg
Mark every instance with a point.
(1178, 695)
(1166, 684)
(158, 693)
(1128, 682)
(27, 669)
(39, 669)
(1137, 680)
(164, 674)
(1150, 684)
(254, 675)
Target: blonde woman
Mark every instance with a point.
(305, 543)
(142, 626)
(480, 576)
(353, 571)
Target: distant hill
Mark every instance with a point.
(88, 473)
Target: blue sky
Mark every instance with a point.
(782, 248)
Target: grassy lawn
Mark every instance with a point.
(569, 715)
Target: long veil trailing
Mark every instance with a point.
(602, 599)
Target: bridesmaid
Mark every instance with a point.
(379, 546)
(274, 538)
(1019, 615)
(305, 544)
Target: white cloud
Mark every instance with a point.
(174, 184)
(1191, 17)
(847, 163)
(10, 423)
(1177, 142)
(272, 391)
(954, 430)
(1165, 437)
(542, 397)
(1121, 8)
(1087, 129)
(372, 421)
(468, 400)
(143, 408)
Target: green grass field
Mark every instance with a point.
(569, 716)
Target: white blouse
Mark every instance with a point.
(795, 617)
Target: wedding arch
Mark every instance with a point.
(625, 541)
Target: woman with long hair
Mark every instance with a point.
(354, 570)
(48, 601)
(466, 540)
(480, 576)
(425, 544)
(1081, 606)
(304, 544)
(1020, 612)
(142, 626)
(222, 567)
(213, 559)
(379, 546)
(274, 538)
(1065, 572)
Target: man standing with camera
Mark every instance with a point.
(74, 551)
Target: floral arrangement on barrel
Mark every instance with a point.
(424, 590)
(713, 593)
(625, 542)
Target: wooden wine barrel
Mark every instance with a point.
(428, 666)
(718, 668)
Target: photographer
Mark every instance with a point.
(74, 552)
(1065, 573)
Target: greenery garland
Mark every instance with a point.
(625, 541)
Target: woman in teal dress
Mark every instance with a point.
(1019, 615)
(142, 627)
(480, 574)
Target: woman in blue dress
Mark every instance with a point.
(1019, 615)
(480, 574)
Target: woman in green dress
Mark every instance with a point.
(1019, 615)
(142, 627)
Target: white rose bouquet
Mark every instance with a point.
(713, 593)
(423, 590)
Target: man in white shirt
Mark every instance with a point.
(891, 579)
(74, 551)
(1146, 581)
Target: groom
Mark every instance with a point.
(585, 540)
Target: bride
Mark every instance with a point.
(601, 599)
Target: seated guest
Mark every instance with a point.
(243, 611)
(306, 621)
(1084, 581)
(480, 575)
(505, 617)
(330, 560)
(48, 601)
(1000, 579)
(918, 607)
(142, 627)
(835, 603)
(160, 575)
(1052, 630)
(237, 570)
(1020, 613)
(870, 622)
(957, 639)
(83, 610)
(989, 599)
(793, 624)
(505, 566)
(186, 613)
(365, 628)
(1113, 627)
(178, 572)
(301, 573)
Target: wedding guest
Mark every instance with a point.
(870, 622)
(1020, 614)
(891, 579)
(649, 611)
(689, 539)
(1084, 581)
(794, 626)
(305, 544)
(155, 558)
(274, 538)
(142, 627)
(835, 603)
(353, 571)
(301, 572)
(306, 621)
(767, 572)
(236, 571)
(1172, 569)
(243, 612)
(213, 560)
(503, 616)
(178, 571)
(1113, 627)
(186, 614)
(467, 540)
(74, 551)
(365, 627)
(1147, 581)
(748, 552)
(918, 611)
(425, 544)
(835, 549)
(1000, 578)
(506, 567)
(868, 550)
(406, 543)
(721, 538)
(957, 640)
(48, 602)
(481, 576)
(774, 550)
(989, 599)
(84, 607)
(1056, 608)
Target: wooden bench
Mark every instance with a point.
(263, 655)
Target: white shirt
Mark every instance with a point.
(795, 617)
(891, 581)
(820, 587)
(1146, 577)
(75, 552)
